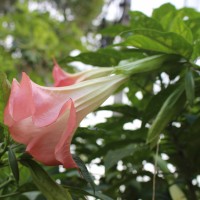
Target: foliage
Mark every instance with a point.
(169, 116)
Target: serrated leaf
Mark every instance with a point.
(113, 156)
(165, 42)
(84, 172)
(13, 164)
(170, 108)
(49, 188)
(189, 86)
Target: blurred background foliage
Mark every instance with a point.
(32, 33)
(31, 36)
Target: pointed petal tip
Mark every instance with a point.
(15, 83)
(25, 79)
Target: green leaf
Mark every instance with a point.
(104, 57)
(165, 42)
(140, 20)
(100, 195)
(190, 86)
(153, 108)
(49, 188)
(171, 107)
(113, 156)
(188, 13)
(196, 52)
(172, 20)
(84, 172)
(9, 195)
(114, 30)
(176, 193)
(163, 11)
(13, 164)
(80, 192)
(177, 25)
(193, 25)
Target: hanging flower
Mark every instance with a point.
(46, 118)
(62, 78)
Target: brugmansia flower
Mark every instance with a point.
(62, 78)
(45, 118)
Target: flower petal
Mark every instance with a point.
(22, 95)
(47, 104)
(42, 146)
(8, 112)
(61, 78)
(62, 150)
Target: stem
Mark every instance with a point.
(9, 195)
(5, 183)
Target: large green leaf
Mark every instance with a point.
(104, 57)
(114, 30)
(140, 20)
(177, 25)
(50, 189)
(169, 109)
(196, 53)
(165, 42)
(172, 20)
(164, 10)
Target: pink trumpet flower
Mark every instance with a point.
(62, 78)
(46, 118)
